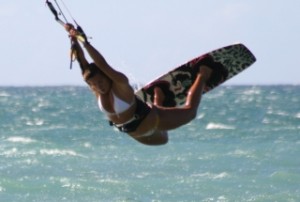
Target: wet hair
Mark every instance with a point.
(91, 71)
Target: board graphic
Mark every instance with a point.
(175, 84)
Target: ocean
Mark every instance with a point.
(244, 145)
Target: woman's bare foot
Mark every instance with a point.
(205, 72)
(159, 96)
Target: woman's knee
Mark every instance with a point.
(191, 113)
(187, 116)
(192, 116)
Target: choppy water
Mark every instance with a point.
(55, 145)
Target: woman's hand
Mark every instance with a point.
(73, 33)
(68, 27)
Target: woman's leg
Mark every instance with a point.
(171, 118)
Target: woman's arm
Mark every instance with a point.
(101, 63)
(84, 64)
(99, 60)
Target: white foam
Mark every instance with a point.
(57, 152)
(213, 176)
(23, 140)
(87, 145)
(200, 116)
(253, 91)
(241, 153)
(220, 176)
(4, 95)
(9, 153)
(219, 126)
(66, 183)
(35, 122)
(110, 181)
(2, 189)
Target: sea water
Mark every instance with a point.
(244, 145)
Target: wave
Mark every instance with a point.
(219, 126)
(35, 122)
(213, 176)
(23, 140)
(241, 153)
(4, 94)
(58, 152)
(252, 91)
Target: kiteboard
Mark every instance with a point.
(176, 83)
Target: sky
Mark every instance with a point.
(147, 38)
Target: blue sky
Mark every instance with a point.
(147, 38)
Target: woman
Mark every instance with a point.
(147, 124)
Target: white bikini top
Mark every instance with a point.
(118, 104)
